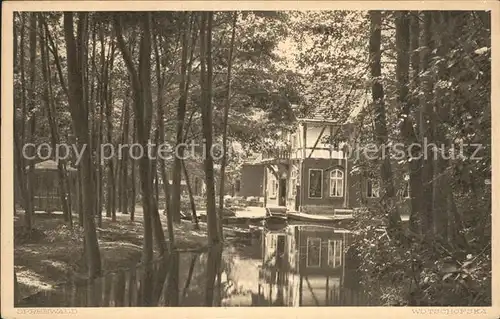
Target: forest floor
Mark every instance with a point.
(54, 254)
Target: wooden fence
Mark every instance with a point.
(339, 296)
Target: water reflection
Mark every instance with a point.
(297, 265)
(290, 265)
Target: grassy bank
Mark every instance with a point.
(54, 254)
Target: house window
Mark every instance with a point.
(274, 187)
(315, 183)
(294, 141)
(313, 254)
(334, 253)
(293, 181)
(372, 188)
(336, 183)
(237, 185)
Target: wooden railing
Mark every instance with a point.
(276, 153)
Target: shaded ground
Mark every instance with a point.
(55, 253)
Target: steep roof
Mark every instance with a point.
(323, 114)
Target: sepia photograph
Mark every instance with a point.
(249, 158)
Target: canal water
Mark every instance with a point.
(288, 265)
(293, 265)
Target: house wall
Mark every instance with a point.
(296, 142)
(325, 204)
(272, 196)
(302, 160)
(252, 179)
(355, 188)
(304, 148)
(293, 180)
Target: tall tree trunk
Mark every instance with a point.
(141, 82)
(381, 135)
(118, 169)
(411, 116)
(124, 155)
(426, 123)
(23, 87)
(109, 110)
(181, 114)
(100, 188)
(91, 103)
(189, 276)
(29, 209)
(19, 137)
(95, 124)
(105, 107)
(191, 198)
(441, 112)
(100, 98)
(225, 124)
(79, 200)
(206, 89)
(80, 122)
(206, 114)
(54, 133)
(133, 179)
(403, 98)
(161, 139)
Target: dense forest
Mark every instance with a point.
(238, 80)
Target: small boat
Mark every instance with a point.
(242, 220)
(276, 219)
(302, 217)
(275, 222)
(276, 211)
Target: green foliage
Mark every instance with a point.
(421, 272)
(418, 269)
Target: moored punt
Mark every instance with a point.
(242, 220)
(275, 222)
(276, 211)
(276, 219)
(302, 217)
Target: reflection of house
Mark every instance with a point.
(303, 266)
(312, 173)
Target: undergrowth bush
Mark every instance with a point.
(421, 271)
